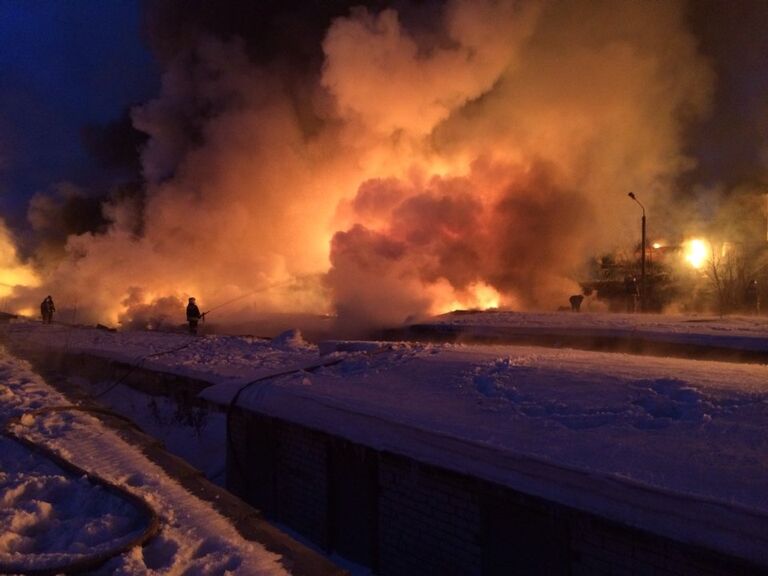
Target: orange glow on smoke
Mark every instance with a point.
(18, 276)
(12, 272)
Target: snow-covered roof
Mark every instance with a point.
(707, 331)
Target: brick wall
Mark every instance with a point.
(282, 469)
(601, 547)
(429, 521)
(301, 489)
(402, 517)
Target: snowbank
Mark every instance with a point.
(48, 515)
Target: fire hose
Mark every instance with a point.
(95, 560)
(137, 364)
(307, 368)
(245, 295)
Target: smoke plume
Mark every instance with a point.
(393, 162)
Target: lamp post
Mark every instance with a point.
(642, 255)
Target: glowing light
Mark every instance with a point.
(485, 296)
(478, 296)
(16, 276)
(13, 272)
(656, 245)
(697, 252)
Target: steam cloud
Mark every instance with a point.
(436, 154)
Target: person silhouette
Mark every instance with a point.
(47, 308)
(193, 315)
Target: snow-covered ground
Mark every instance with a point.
(740, 332)
(671, 445)
(51, 517)
(213, 358)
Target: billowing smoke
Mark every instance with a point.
(439, 244)
(469, 152)
(542, 118)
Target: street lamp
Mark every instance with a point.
(642, 255)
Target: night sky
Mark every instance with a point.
(64, 66)
(733, 144)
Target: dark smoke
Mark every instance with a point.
(731, 145)
(116, 146)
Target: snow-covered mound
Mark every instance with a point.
(50, 517)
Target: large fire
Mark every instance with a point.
(697, 252)
(478, 296)
(467, 159)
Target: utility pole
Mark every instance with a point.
(642, 254)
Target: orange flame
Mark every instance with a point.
(478, 296)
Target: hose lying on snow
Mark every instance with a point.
(232, 449)
(137, 364)
(91, 561)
